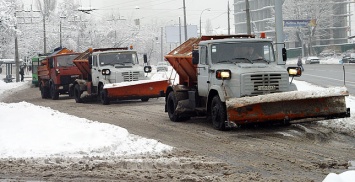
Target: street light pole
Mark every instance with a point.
(207, 9)
(161, 44)
(60, 30)
(185, 24)
(248, 16)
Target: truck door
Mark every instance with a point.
(95, 70)
(203, 73)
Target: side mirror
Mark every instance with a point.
(294, 71)
(145, 58)
(147, 69)
(195, 57)
(90, 60)
(284, 54)
(51, 63)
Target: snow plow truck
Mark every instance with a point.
(236, 80)
(57, 73)
(115, 74)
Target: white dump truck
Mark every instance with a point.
(236, 80)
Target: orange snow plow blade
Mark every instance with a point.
(137, 89)
(295, 105)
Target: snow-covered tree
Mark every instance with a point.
(80, 31)
(7, 26)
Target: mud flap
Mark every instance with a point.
(325, 103)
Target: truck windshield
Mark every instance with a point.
(242, 52)
(120, 58)
(66, 60)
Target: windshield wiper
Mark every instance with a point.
(225, 61)
(262, 59)
(243, 59)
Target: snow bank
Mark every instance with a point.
(50, 133)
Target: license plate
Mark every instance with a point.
(271, 87)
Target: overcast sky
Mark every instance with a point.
(166, 11)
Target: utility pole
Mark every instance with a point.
(229, 23)
(179, 31)
(247, 9)
(161, 44)
(279, 31)
(44, 35)
(185, 26)
(17, 61)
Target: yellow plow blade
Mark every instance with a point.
(325, 103)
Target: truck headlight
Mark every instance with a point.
(294, 71)
(106, 72)
(223, 74)
(147, 69)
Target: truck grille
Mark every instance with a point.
(130, 76)
(67, 79)
(260, 84)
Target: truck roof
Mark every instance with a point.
(113, 51)
(242, 40)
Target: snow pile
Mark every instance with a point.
(347, 176)
(10, 87)
(52, 133)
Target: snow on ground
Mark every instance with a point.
(23, 137)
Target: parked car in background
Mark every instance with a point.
(162, 66)
(312, 60)
(348, 60)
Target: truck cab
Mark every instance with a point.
(115, 73)
(116, 66)
(239, 68)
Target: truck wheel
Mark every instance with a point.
(77, 94)
(44, 91)
(54, 92)
(103, 96)
(144, 99)
(218, 114)
(171, 104)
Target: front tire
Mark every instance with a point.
(103, 96)
(171, 104)
(44, 91)
(54, 92)
(218, 114)
(77, 94)
(145, 99)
